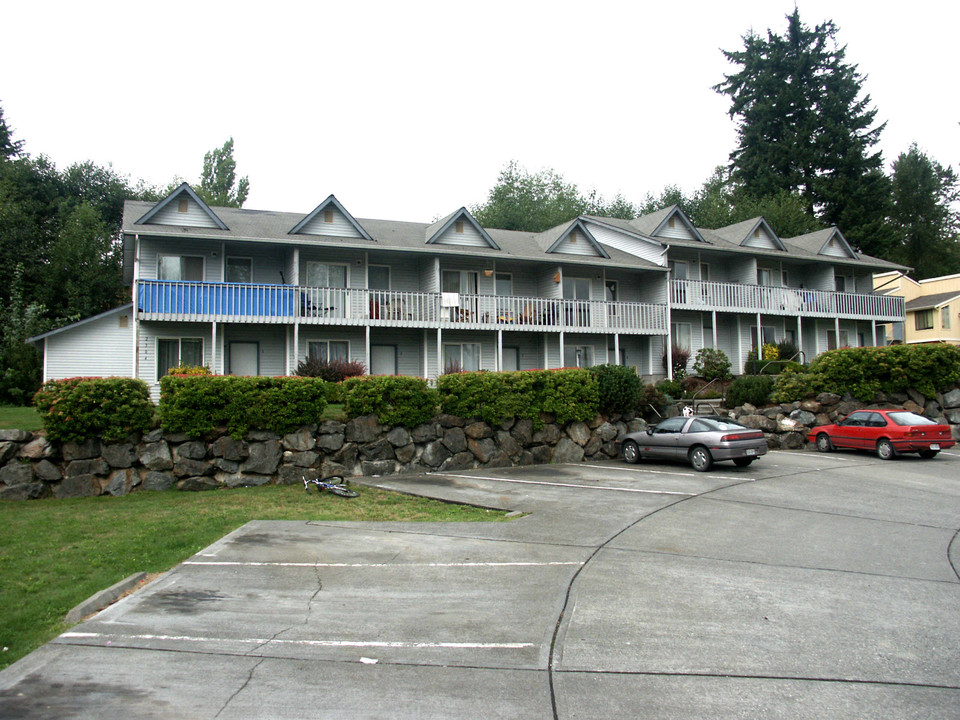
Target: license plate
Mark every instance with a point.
(751, 451)
(934, 446)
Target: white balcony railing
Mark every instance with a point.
(234, 302)
(732, 297)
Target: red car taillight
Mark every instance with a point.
(742, 436)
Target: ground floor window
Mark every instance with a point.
(578, 356)
(832, 339)
(327, 350)
(769, 336)
(923, 319)
(681, 336)
(461, 357)
(178, 351)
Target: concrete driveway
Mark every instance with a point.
(804, 586)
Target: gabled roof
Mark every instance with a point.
(436, 231)
(551, 240)
(331, 200)
(116, 311)
(184, 188)
(742, 232)
(817, 242)
(654, 224)
(929, 302)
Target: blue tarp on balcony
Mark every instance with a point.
(185, 298)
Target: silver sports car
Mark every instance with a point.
(701, 441)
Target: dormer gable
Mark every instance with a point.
(828, 242)
(330, 218)
(669, 223)
(572, 238)
(755, 233)
(459, 228)
(182, 207)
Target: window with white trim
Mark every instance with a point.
(578, 356)
(173, 352)
(461, 357)
(945, 317)
(180, 268)
(326, 275)
(923, 319)
(238, 270)
(681, 335)
(326, 350)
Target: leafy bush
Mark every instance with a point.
(770, 352)
(651, 395)
(618, 388)
(394, 399)
(865, 371)
(569, 394)
(753, 389)
(793, 385)
(78, 408)
(334, 371)
(671, 388)
(189, 370)
(787, 350)
(198, 404)
(681, 356)
(712, 364)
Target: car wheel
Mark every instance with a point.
(885, 449)
(631, 452)
(927, 454)
(824, 444)
(742, 462)
(700, 458)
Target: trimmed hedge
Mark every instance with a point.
(198, 404)
(569, 395)
(618, 388)
(753, 389)
(77, 408)
(394, 399)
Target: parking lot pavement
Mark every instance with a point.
(805, 585)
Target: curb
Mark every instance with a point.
(98, 601)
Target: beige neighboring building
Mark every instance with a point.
(932, 307)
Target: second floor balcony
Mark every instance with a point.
(733, 297)
(249, 303)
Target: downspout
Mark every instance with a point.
(135, 364)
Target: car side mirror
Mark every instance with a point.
(649, 431)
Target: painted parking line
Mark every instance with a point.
(565, 485)
(110, 637)
(819, 456)
(619, 468)
(222, 563)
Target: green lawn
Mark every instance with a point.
(19, 418)
(56, 553)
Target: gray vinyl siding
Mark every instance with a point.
(580, 246)
(640, 248)
(100, 348)
(834, 248)
(429, 277)
(195, 216)
(679, 231)
(290, 268)
(819, 278)
(409, 349)
(546, 286)
(524, 283)
(404, 277)
(765, 240)
(151, 249)
(744, 272)
(353, 259)
(470, 237)
(339, 227)
(268, 263)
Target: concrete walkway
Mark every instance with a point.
(804, 586)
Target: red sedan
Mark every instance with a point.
(887, 432)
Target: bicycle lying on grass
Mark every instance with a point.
(335, 484)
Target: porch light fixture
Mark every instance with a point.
(556, 278)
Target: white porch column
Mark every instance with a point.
(546, 351)
(739, 345)
(873, 331)
(616, 348)
(213, 349)
(367, 348)
(800, 337)
(836, 330)
(759, 338)
(296, 343)
(714, 315)
(499, 350)
(426, 353)
(561, 349)
(439, 350)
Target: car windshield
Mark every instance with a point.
(909, 418)
(714, 425)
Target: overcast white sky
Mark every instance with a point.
(408, 110)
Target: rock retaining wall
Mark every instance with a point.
(32, 467)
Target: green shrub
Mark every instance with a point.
(196, 405)
(650, 395)
(712, 364)
(673, 389)
(189, 370)
(793, 385)
(680, 356)
(333, 371)
(618, 388)
(787, 350)
(753, 389)
(865, 371)
(570, 395)
(394, 399)
(79, 408)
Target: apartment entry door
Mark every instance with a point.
(383, 359)
(244, 358)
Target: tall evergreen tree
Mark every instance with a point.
(218, 182)
(805, 127)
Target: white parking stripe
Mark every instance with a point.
(311, 643)
(566, 485)
(818, 456)
(219, 563)
(635, 469)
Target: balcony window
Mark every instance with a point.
(678, 270)
(504, 284)
(239, 270)
(325, 275)
(327, 350)
(681, 335)
(923, 319)
(945, 317)
(178, 268)
(764, 277)
(378, 277)
(178, 351)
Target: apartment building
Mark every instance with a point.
(931, 307)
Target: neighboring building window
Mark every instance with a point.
(578, 356)
(463, 357)
(179, 351)
(239, 270)
(177, 268)
(327, 350)
(681, 335)
(325, 275)
(945, 317)
(378, 277)
(923, 319)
